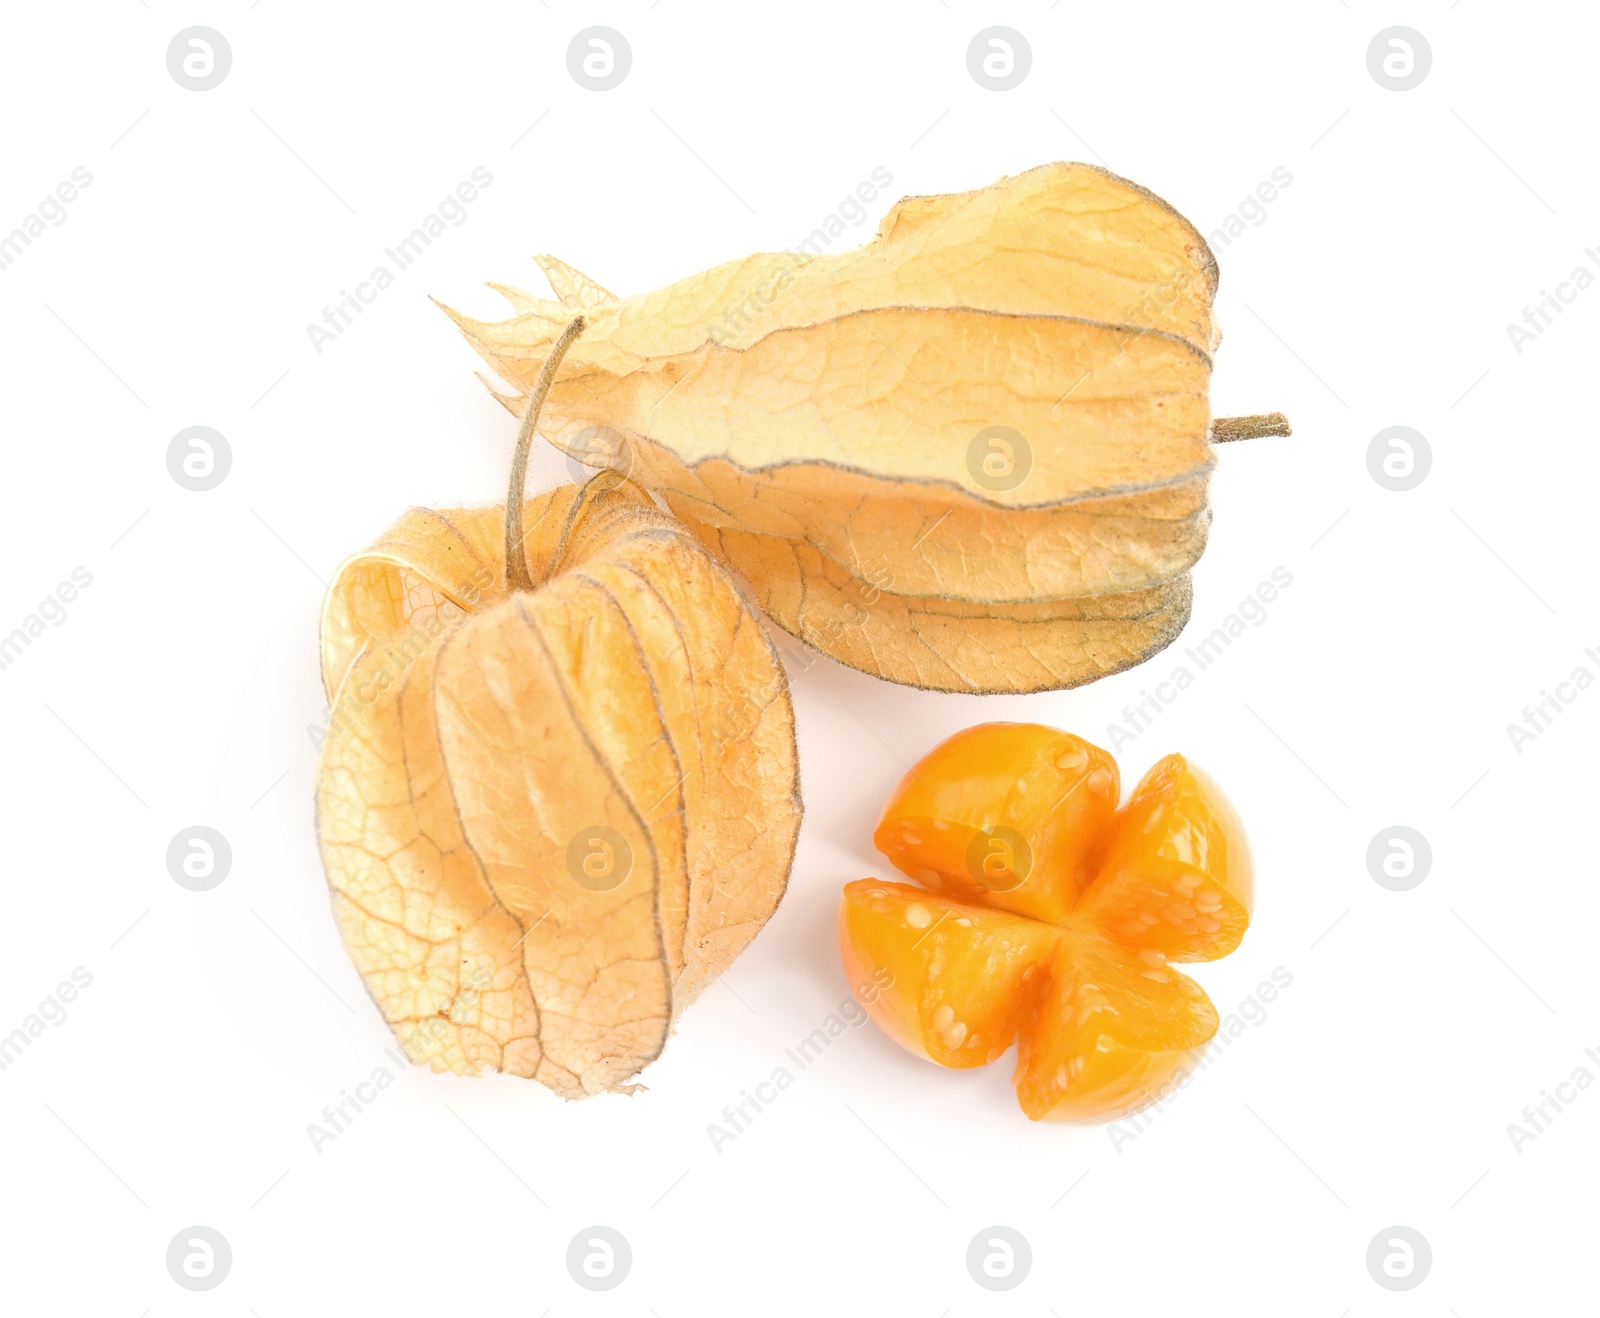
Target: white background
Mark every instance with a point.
(1377, 1090)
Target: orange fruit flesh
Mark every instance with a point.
(1072, 962)
(952, 978)
(1107, 1032)
(1003, 813)
(1102, 1029)
(1177, 876)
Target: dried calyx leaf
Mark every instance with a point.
(920, 451)
(952, 644)
(549, 816)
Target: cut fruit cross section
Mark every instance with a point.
(1048, 918)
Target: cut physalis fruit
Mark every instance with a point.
(1049, 918)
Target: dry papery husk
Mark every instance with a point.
(843, 429)
(498, 756)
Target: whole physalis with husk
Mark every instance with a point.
(558, 792)
(971, 455)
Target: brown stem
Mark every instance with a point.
(517, 576)
(1226, 429)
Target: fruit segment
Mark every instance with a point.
(1177, 877)
(1048, 917)
(1106, 1031)
(1006, 814)
(956, 977)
